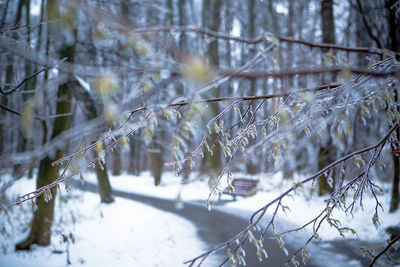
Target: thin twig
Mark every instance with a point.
(391, 243)
(35, 117)
(17, 87)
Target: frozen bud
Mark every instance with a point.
(138, 44)
(101, 32)
(105, 84)
(269, 37)
(198, 70)
(147, 86)
(111, 112)
(99, 147)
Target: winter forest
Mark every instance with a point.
(199, 133)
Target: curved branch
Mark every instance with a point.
(391, 243)
(15, 88)
(259, 97)
(315, 71)
(265, 36)
(11, 46)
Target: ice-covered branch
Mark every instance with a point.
(69, 68)
(259, 214)
(268, 37)
(391, 243)
(18, 87)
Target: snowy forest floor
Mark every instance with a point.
(166, 225)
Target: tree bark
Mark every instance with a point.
(324, 158)
(17, 169)
(394, 35)
(212, 163)
(252, 166)
(117, 162)
(4, 15)
(41, 225)
(134, 157)
(91, 110)
(103, 183)
(328, 25)
(326, 153)
(43, 218)
(394, 200)
(156, 157)
(40, 232)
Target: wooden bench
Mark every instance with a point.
(242, 187)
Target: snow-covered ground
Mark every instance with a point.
(302, 205)
(125, 233)
(128, 233)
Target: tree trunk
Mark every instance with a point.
(43, 218)
(394, 200)
(103, 183)
(4, 15)
(327, 151)
(91, 110)
(289, 58)
(252, 166)
(134, 158)
(394, 36)
(212, 163)
(156, 158)
(324, 158)
(328, 24)
(182, 22)
(42, 221)
(17, 171)
(4, 101)
(41, 225)
(117, 162)
(169, 19)
(27, 143)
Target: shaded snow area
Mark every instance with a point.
(303, 206)
(125, 233)
(128, 233)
